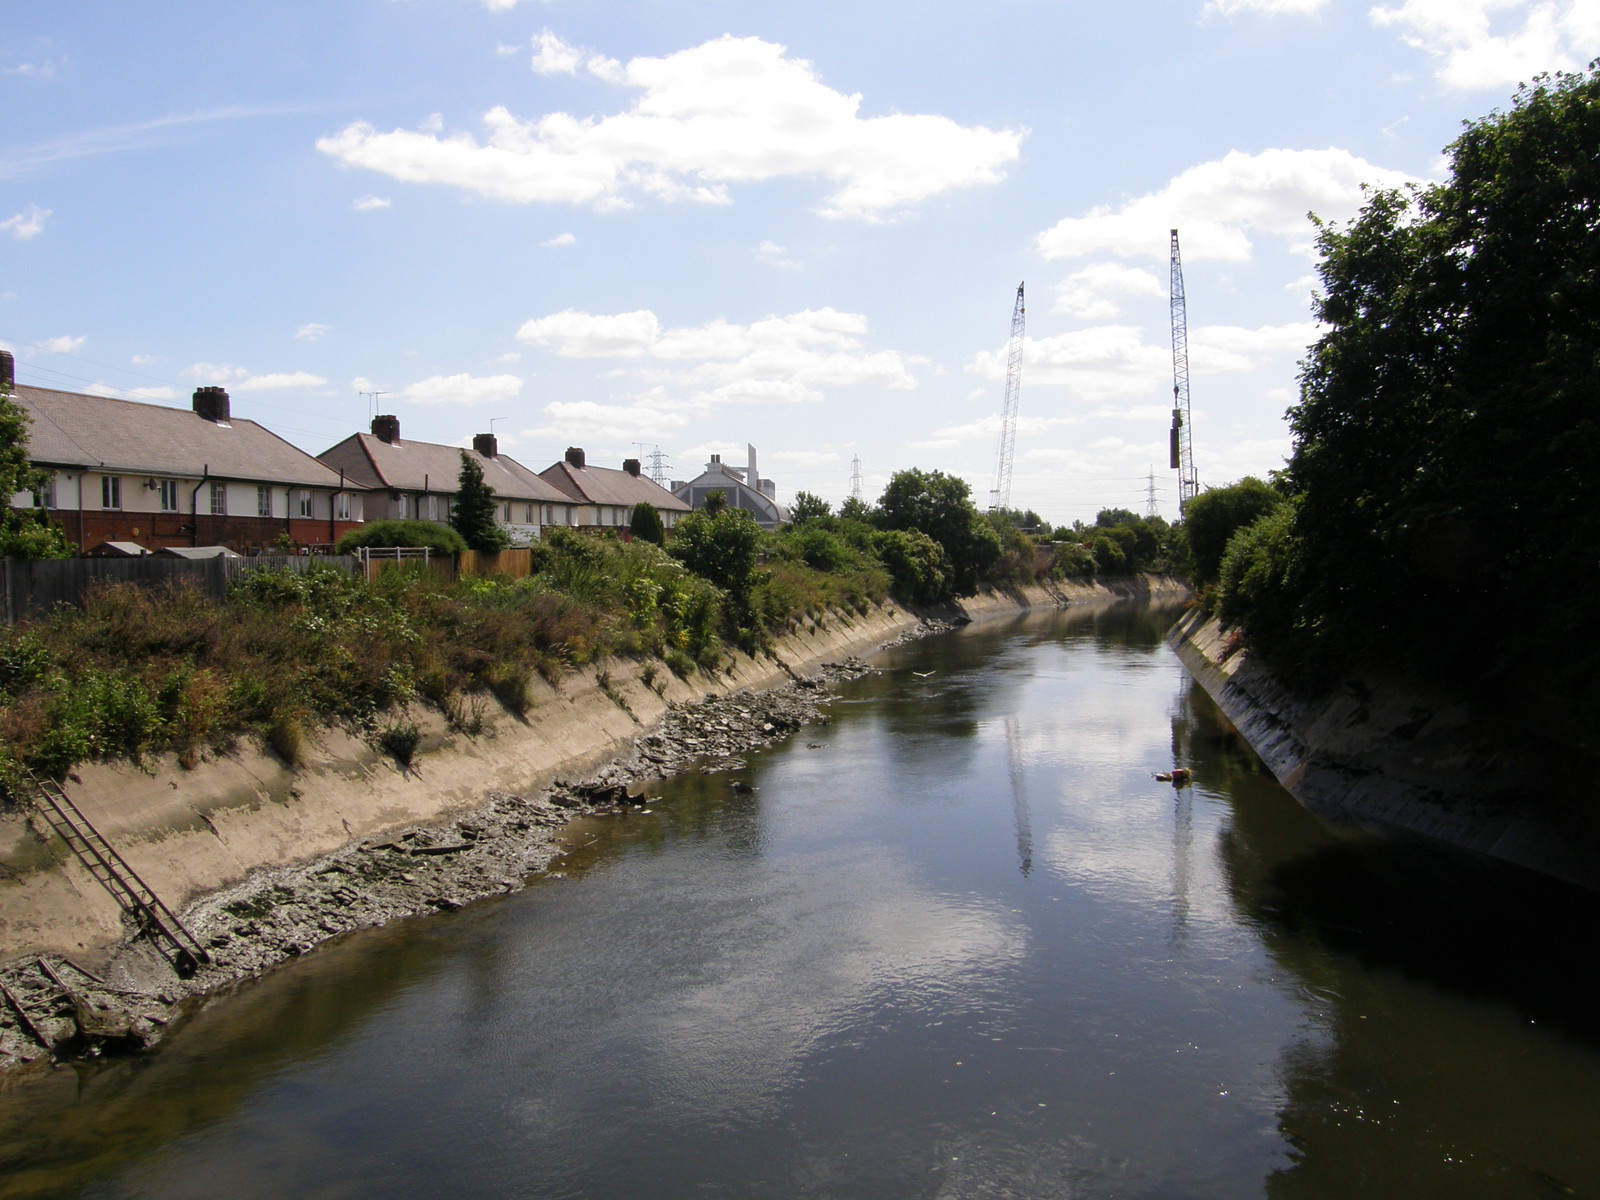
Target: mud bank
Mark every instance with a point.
(1388, 754)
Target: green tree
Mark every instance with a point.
(473, 516)
(1213, 516)
(807, 507)
(721, 548)
(1447, 433)
(854, 508)
(938, 505)
(917, 566)
(646, 525)
(716, 500)
(24, 532)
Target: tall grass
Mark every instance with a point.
(138, 672)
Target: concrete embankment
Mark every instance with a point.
(1390, 754)
(190, 833)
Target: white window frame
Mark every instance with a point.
(169, 495)
(219, 499)
(263, 500)
(111, 492)
(341, 507)
(45, 497)
(307, 508)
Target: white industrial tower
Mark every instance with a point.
(1000, 498)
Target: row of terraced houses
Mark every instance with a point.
(123, 471)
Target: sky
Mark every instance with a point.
(666, 229)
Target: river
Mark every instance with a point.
(956, 943)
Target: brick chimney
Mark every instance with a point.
(212, 404)
(485, 444)
(631, 466)
(8, 372)
(575, 456)
(386, 428)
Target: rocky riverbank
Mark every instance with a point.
(58, 1009)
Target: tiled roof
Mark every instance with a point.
(605, 485)
(427, 466)
(98, 433)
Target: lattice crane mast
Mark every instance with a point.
(1181, 439)
(1000, 498)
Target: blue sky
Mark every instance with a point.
(696, 225)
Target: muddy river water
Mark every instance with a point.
(956, 943)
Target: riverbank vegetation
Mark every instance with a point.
(1440, 511)
(137, 672)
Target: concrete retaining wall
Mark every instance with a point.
(1388, 753)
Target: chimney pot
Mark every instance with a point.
(575, 456)
(485, 444)
(386, 428)
(8, 372)
(211, 403)
(631, 466)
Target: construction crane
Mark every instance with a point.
(1182, 441)
(1000, 498)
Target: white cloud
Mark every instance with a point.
(733, 110)
(561, 239)
(1091, 293)
(142, 360)
(787, 359)
(1217, 205)
(552, 56)
(240, 379)
(38, 70)
(586, 420)
(279, 381)
(1113, 362)
(462, 389)
(775, 255)
(62, 345)
(311, 332)
(27, 224)
(985, 430)
(509, 356)
(1477, 51)
(1274, 8)
(369, 203)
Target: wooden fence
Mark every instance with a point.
(34, 587)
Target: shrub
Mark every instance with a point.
(431, 534)
(400, 742)
(917, 566)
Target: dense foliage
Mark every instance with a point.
(24, 533)
(1444, 475)
(645, 524)
(1213, 517)
(938, 505)
(430, 534)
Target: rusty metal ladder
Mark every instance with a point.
(154, 918)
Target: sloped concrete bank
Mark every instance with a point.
(263, 861)
(1389, 754)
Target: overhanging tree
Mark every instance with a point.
(1447, 435)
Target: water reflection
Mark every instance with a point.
(1451, 1045)
(957, 943)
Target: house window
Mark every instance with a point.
(527, 515)
(401, 505)
(110, 491)
(169, 495)
(263, 501)
(45, 497)
(341, 506)
(219, 499)
(433, 508)
(505, 512)
(305, 504)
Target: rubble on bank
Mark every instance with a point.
(54, 1009)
